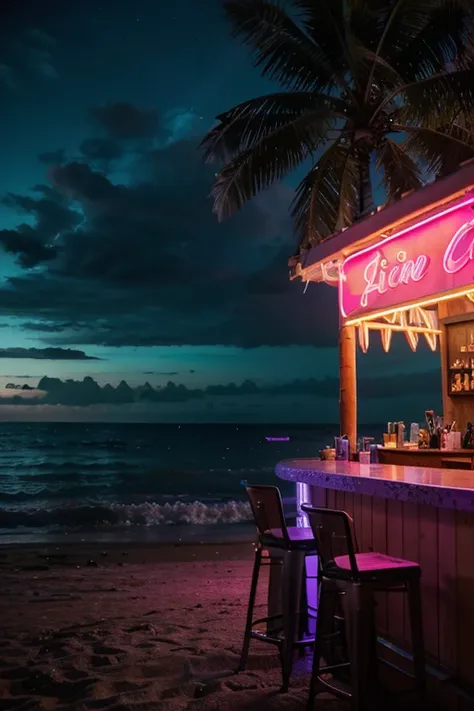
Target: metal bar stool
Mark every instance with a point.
(294, 544)
(357, 576)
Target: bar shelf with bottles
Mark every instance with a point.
(460, 358)
(435, 444)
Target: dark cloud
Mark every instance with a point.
(48, 327)
(45, 354)
(101, 149)
(14, 386)
(158, 372)
(22, 377)
(50, 193)
(146, 263)
(57, 157)
(25, 243)
(81, 183)
(122, 120)
(88, 392)
(34, 245)
(26, 56)
(52, 217)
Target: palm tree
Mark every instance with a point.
(372, 90)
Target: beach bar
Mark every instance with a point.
(408, 271)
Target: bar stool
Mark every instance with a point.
(357, 576)
(294, 544)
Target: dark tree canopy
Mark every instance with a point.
(372, 90)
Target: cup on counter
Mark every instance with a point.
(342, 448)
(389, 440)
(364, 457)
(453, 440)
(328, 454)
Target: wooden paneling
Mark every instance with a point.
(442, 541)
(465, 594)
(395, 548)
(429, 561)
(447, 588)
(453, 308)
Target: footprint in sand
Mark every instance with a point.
(104, 649)
(100, 661)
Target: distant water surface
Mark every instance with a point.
(156, 481)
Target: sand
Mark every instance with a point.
(135, 627)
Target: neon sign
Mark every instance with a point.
(432, 257)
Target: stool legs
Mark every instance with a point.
(321, 618)
(303, 620)
(416, 626)
(293, 565)
(362, 640)
(248, 624)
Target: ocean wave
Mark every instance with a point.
(144, 514)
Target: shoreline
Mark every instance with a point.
(190, 534)
(35, 557)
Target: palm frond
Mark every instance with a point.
(440, 153)
(327, 23)
(400, 171)
(427, 36)
(268, 161)
(439, 99)
(326, 199)
(245, 125)
(375, 73)
(279, 47)
(368, 20)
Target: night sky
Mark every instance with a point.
(112, 264)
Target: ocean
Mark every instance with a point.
(63, 481)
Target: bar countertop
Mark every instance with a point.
(441, 488)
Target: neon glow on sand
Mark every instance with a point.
(431, 257)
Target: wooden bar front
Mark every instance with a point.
(442, 541)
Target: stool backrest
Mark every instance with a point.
(267, 508)
(333, 533)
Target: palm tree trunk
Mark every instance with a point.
(366, 198)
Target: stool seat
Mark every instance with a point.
(297, 539)
(294, 534)
(375, 563)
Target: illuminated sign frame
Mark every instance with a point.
(413, 267)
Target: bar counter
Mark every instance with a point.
(443, 488)
(423, 514)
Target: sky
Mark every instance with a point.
(112, 265)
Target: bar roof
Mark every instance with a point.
(368, 230)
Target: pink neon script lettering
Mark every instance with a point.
(463, 242)
(380, 276)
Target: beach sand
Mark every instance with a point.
(145, 627)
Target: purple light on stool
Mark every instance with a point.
(303, 496)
